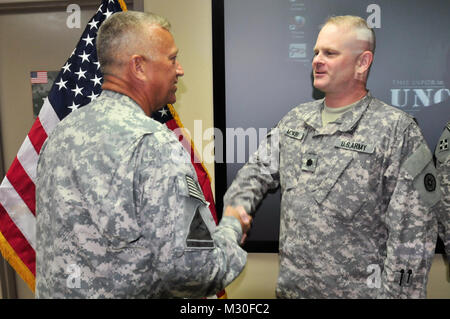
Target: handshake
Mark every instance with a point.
(244, 218)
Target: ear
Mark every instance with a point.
(136, 67)
(364, 62)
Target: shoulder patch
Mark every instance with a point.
(443, 145)
(421, 168)
(429, 182)
(415, 163)
(199, 236)
(426, 184)
(442, 151)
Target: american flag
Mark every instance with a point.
(78, 83)
(39, 77)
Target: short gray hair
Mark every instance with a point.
(121, 31)
(359, 25)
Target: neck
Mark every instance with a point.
(340, 99)
(116, 84)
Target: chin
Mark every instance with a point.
(318, 86)
(172, 100)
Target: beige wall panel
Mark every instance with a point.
(30, 42)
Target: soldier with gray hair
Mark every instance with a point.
(357, 181)
(118, 201)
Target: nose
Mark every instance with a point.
(180, 71)
(317, 59)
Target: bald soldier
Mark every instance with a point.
(442, 154)
(357, 182)
(120, 213)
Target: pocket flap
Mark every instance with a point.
(331, 178)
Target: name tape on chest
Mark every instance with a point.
(355, 146)
(295, 134)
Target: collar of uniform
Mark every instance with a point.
(126, 101)
(313, 115)
(347, 121)
(130, 112)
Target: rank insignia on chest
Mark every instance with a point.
(443, 145)
(295, 134)
(309, 162)
(355, 146)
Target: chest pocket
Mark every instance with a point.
(347, 187)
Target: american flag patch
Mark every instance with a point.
(195, 190)
(39, 77)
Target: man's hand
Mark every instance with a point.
(244, 218)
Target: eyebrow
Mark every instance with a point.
(325, 49)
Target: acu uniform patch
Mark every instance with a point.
(443, 145)
(420, 166)
(309, 162)
(442, 151)
(200, 221)
(295, 134)
(195, 190)
(355, 146)
(430, 182)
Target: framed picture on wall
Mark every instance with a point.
(41, 83)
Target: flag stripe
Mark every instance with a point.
(17, 241)
(28, 158)
(22, 184)
(48, 117)
(37, 135)
(18, 211)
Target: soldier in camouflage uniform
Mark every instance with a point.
(357, 183)
(442, 154)
(120, 213)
